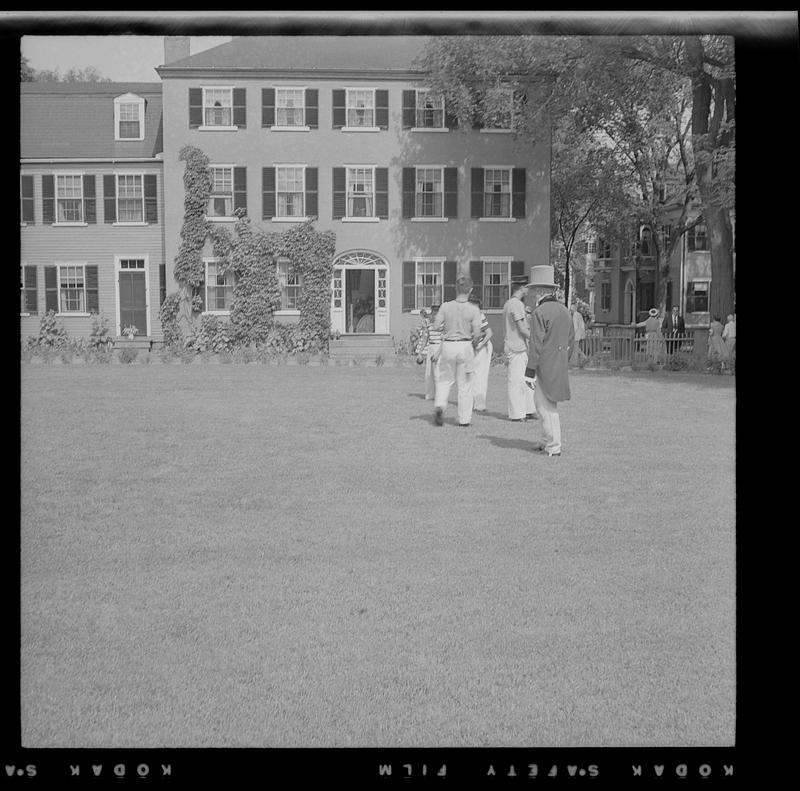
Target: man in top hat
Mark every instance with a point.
(515, 347)
(460, 323)
(552, 337)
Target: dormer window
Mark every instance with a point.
(129, 117)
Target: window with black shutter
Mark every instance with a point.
(240, 107)
(195, 108)
(409, 190)
(268, 202)
(312, 108)
(312, 195)
(89, 200)
(267, 107)
(26, 199)
(409, 272)
(48, 199)
(30, 297)
(476, 273)
(51, 288)
(339, 193)
(382, 193)
(451, 192)
(409, 109)
(476, 206)
(92, 290)
(151, 198)
(449, 285)
(240, 189)
(518, 193)
(109, 198)
(339, 108)
(382, 109)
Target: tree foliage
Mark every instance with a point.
(87, 74)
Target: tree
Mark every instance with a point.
(87, 74)
(26, 72)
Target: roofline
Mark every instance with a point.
(68, 160)
(261, 72)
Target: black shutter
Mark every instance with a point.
(409, 269)
(240, 107)
(409, 109)
(517, 269)
(30, 285)
(240, 189)
(268, 201)
(409, 192)
(162, 283)
(89, 200)
(312, 108)
(50, 288)
(477, 193)
(382, 109)
(151, 198)
(48, 200)
(382, 193)
(451, 192)
(267, 107)
(27, 200)
(110, 198)
(450, 274)
(195, 107)
(518, 192)
(92, 290)
(312, 201)
(339, 109)
(476, 273)
(339, 193)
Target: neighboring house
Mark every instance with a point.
(338, 130)
(91, 206)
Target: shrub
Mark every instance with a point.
(98, 337)
(379, 360)
(127, 356)
(52, 335)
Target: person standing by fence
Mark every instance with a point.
(674, 328)
(460, 323)
(580, 333)
(717, 350)
(483, 360)
(515, 346)
(729, 335)
(652, 335)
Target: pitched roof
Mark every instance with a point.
(76, 120)
(309, 53)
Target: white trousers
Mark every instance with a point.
(483, 360)
(456, 367)
(520, 397)
(551, 424)
(431, 376)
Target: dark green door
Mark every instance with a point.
(133, 302)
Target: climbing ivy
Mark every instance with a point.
(197, 184)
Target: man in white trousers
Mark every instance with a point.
(515, 346)
(460, 323)
(552, 337)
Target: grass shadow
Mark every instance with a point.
(514, 444)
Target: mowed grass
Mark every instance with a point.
(260, 556)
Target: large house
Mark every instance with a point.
(338, 130)
(91, 206)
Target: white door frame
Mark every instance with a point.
(361, 260)
(117, 269)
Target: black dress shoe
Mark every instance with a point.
(438, 417)
(464, 424)
(531, 416)
(517, 419)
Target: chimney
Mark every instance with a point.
(175, 48)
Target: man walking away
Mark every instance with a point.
(460, 323)
(552, 337)
(515, 347)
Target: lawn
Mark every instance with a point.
(295, 556)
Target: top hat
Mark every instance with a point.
(517, 281)
(653, 312)
(542, 275)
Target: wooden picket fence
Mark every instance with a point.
(622, 344)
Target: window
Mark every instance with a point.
(429, 199)
(218, 106)
(495, 283)
(697, 238)
(360, 192)
(498, 108)
(28, 303)
(665, 233)
(291, 283)
(129, 117)
(219, 287)
(429, 112)
(69, 198)
(428, 284)
(360, 107)
(497, 192)
(603, 251)
(220, 201)
(290, 188)
(697, 296)
(71, 289)
(289, 106)
(591, 246)
(646, 243)
(130, 198)
(605, 297)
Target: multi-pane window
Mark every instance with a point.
(428, 284)
(360, 107)
(129, 121)
(360, 192)
(429, 200)
(290, 187)
(218, 106)
(71, 289)
(697, 238)
(497, 192)
(591, 246)
(646, 243)
(219, 286)
(220, 201)
(605, 296)
(603, 250)
(291, 283)
(697, 296)
(495, 283)
(289, 106)
(429, 111)
(69, 198)
(498, 108)
(130, 198)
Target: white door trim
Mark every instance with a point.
(117, 269)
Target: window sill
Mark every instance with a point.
(221, 219)
(361, 129)
(75, 315)
(289, 128)
(217, 128)
(429, 129)
(429, 219)
(128, 139)
(24, 315)
(497, 219)
(70, 224)
(361, 219)
(287, 312)
(290, 219)
(130, 224)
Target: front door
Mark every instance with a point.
(360, 294)
(133, 311)
(359, 300)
